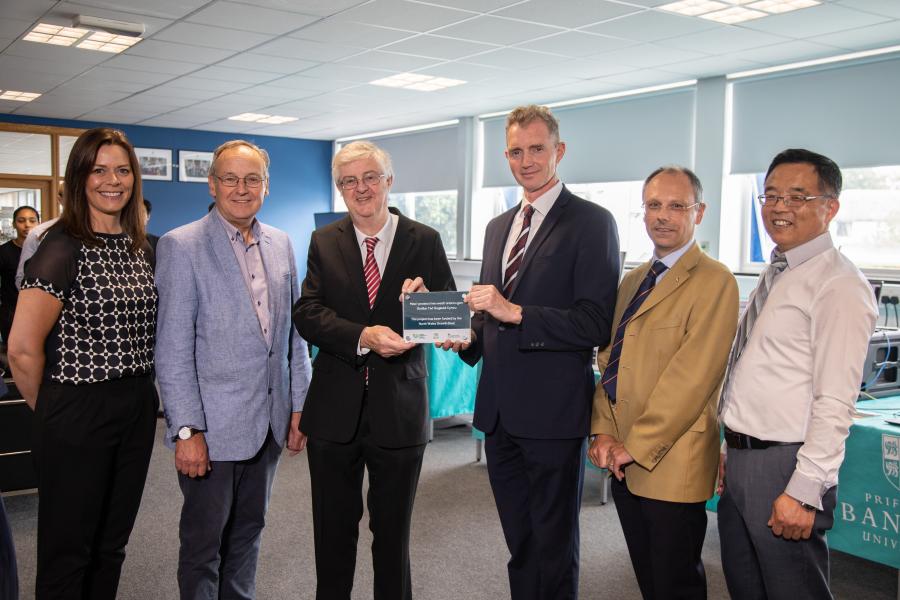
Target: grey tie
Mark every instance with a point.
(748, 319)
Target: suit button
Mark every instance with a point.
(271, 353)
(270, 391)
(502, 327)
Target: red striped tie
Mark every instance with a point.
(517, 252)
(370, 270)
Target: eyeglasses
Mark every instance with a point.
(370, 179)
(678, 207)
(790, 200)
(250, 181)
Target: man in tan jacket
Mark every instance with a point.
(654, 417)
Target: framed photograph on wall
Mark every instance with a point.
(156, 163)
(194, 166)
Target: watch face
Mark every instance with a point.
(184, 433)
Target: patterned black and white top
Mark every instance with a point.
(107, 326)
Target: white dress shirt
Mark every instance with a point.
(381, 251)
(542, 205)
(799, 375)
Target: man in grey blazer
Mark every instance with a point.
(233, 372)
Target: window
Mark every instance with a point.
(866, 228)
(435, 209)
(622, 199)
(10, 200)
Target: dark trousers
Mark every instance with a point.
(664, 541)
(92, 450)
(757, 564)
(336, 477)
(9, 580)
(222, 519)
(537, 487)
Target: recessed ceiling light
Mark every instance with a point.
(18, 96)
(782, 6)
(693, 7)
(85, 39)
(417, 81)
(735, 11)
(735, 14)
(262, 118)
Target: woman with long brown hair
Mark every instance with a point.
(81, 352)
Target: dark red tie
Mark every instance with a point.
(517, 252)
(611, 373)
(370, 270)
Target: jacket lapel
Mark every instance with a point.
(676, 276)
(273, 277)
(352, 257)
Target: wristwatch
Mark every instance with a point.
(808, 507)
(185, 433)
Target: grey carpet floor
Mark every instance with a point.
(457, 546)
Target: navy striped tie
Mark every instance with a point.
(517, 252)
(611, 373)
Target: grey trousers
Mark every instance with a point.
(222, 519)
(757, 564)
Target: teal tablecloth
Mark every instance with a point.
(451, 383)
(867, 516)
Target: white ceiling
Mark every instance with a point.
(205, 60)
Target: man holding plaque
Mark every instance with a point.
(546, 296)
(367, 405)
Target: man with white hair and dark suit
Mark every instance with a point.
(233, 372)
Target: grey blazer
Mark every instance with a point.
(216, 372)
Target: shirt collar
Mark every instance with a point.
(234, 233)
(382, 234)
(545, 201)
(672, 257)
(807, 250)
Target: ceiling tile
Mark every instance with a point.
(351, 34)
(787, 52)
(65, 70)
(25, 80)
(212, 37)
(344, 73)
(201, 83)
(245, 76)
(888, 8)
(174, 51)
(301, 82)
(142, 63)
(482, 6)
(584, 89)
(168, 9)
(147, 102)
(648, 55)
(724, 39)
(229, 126)
(75, 58)
(233, 15)
(376, 59)
(649, 26)
(644, 77)
(586, 69)
(438, 47)
(712, 66)
(814, 21)
(13, 28)
(172, 121)
(403, 14)
(309, 50)
(574, 13)
(576, 44)
(59, 110)
(270, 64)
(322, 8)
(514, 58)
(113, 115)
(461, 70)
(26, 10)
(494, 30)
(187, 96)
(865, 38)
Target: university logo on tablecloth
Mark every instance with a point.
(890, 458)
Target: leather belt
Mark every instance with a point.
(742, 441)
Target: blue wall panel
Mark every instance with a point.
(300, 176)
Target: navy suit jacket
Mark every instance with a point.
(537, 376)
